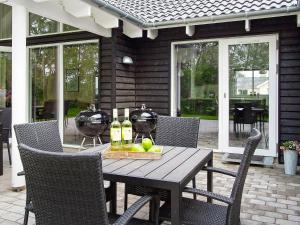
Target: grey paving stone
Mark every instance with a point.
(270, 197)
(263, 219)
(286, 222)
(294, 218)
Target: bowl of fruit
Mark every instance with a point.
(144, 150)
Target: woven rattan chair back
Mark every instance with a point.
(177, 131)
(40, 135)
(66, 188)
(237, 191)
(6, 118)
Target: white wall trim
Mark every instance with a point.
(19, 87)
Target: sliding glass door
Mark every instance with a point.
(81, 70)
(197, 87)
(5, 77)
(231, 85)
(43, 76)
(249, 96)
(64, 81)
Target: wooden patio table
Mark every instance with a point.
(172, 172)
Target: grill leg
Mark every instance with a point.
(151, 138)
(94, 142)
(82, 143)
(99, 139)
(136, 136)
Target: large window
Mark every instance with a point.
(39, 25)
(81, 85)
(5, 21)
(43, 73)
(78, 83)
(5, 79)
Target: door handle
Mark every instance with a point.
(224, 95)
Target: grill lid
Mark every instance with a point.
(92, 122)
(143, 120)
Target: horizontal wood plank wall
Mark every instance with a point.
(153, 66)
(153, 73)
(125, 74)
(107, 82)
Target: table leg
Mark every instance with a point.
(113, 203)
(210, 179)
(175, 206)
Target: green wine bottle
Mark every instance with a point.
(115, 130)
(126, 129)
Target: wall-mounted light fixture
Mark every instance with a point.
(127, 60)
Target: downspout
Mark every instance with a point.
(145, 25)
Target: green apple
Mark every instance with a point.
(155, 149)
(147, 143)
(137, 148)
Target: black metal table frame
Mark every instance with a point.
(174, 187)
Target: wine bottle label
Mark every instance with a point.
(115, 113)
(127, 133)
(126, 113)
(115, 134)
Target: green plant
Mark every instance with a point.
(290, 145)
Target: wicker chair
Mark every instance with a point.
(68, 188)
(171, 131)
(202, 213)
(44, 136)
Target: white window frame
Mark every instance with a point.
(5, 49)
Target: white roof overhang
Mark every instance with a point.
(98, 17)
(72, 12)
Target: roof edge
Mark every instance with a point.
(214, 19)
(193, 21)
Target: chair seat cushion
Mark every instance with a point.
(112, 218)
(197, 212)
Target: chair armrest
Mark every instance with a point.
(217, 197)
(22, 173)
(134, 208)
(222, 171)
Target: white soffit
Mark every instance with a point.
(247, 25)
(77, 8)
(132, 30)
(152, 34)
(104, 19)
(55, 11)
(190, 30)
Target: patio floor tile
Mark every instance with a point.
(269, 197)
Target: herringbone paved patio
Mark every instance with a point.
(270, 197)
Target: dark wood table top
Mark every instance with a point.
(176, 168)
(178, 165)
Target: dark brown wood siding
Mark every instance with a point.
(153, 66)
(125, 74)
